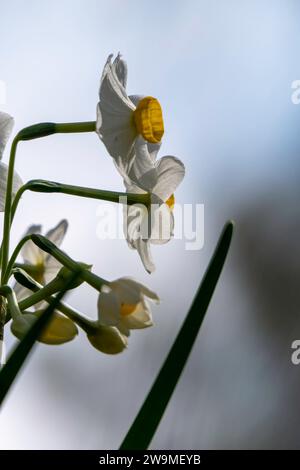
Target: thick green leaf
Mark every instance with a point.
(19, 355)
(145, 424)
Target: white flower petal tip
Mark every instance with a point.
(6, 127)
(57, 234)
(120, 68)
(108, 340)
(125, 305)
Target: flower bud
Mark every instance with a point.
(59, 330)
(107, 339)
(20, 326)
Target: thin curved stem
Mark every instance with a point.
(29, 133)
(7, 213)
(14, 257)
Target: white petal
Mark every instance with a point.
(163, 225)
(52, 267)
(153, 150)
(123, 167)
(57, 234)
(108, 308)
(143, 171)
(120, 69)
(142, 288)
(141, 318)
(143, 248)
(116, 132)
(136, 227)
(114, 115)
(17, 183)
(21, 292)
(6, 127)
(137, 224)
(30, 252)
(127, 291)
(170, 173)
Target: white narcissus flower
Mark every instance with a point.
(43, 268)
(122, 119)
(40, 265)
(160, 179)
(6, 127)
(123, 303)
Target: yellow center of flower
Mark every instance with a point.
(171, 202)
(148, 119)
(127, 309)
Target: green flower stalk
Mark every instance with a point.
(43, 186)
(46, 245)
(29, 133)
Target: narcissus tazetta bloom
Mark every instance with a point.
(43, 268)
(6, 127)
(122, 119)
(124, 304)
(39, 264)
(154, 224)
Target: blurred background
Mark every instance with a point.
(223, 73)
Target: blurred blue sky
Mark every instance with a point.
(223, 73)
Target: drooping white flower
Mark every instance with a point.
(123, 303)
(6, 127)
(59, 330)
(122, 119)
(160, 179)
(40, 265)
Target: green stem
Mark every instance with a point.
(83, 322)
(46, 291)
(7, 210)
(7, 291)
(14, 257)
(27, 281)
(29, 133)
(44, 186)
(75, 127)
(16, 201)
(46, 245)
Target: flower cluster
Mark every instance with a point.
(131, 128)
